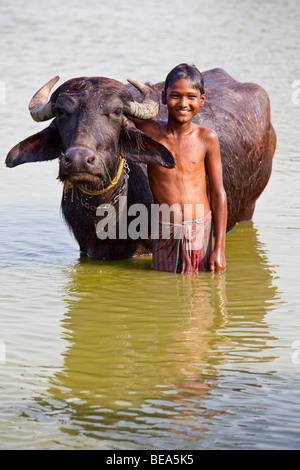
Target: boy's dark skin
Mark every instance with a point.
(195, 149)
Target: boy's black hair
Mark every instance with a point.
(187, 71)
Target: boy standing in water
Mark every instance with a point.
(188, 246)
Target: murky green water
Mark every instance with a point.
(112, 355)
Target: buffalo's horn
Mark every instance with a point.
(148, 109)
(39, 107)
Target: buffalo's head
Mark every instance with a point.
(91, 130)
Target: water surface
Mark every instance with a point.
(111, 355)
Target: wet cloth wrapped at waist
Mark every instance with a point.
(184, 247)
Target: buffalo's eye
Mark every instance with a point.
(117, 111)
(58, 111)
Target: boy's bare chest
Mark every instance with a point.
(186, 151)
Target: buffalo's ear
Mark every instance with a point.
(138, 147)
(45, 145)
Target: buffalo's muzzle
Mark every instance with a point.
(78, 160)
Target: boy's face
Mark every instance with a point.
(183, 101)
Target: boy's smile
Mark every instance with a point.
(183, 101)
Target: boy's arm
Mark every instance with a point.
(217, 261)
(144, 125)
(139, 123)
(150, 127)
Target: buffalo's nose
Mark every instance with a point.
(78, 159)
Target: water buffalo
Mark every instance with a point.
(103, 157)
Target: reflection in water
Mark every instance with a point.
(146, 348)
(160, 353)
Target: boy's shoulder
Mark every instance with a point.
(207, 134)
(205, 131)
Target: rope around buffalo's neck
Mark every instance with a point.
(112, 182)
